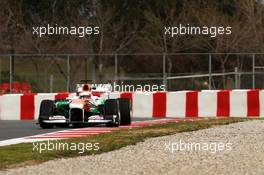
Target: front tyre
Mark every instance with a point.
(46, 110)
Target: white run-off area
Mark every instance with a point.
(152, 157)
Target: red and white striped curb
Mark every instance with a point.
(84, 132)
(181, 104)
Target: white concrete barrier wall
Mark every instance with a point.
(142, 105)
(176, 104)
(238, 103)
(261, 96)
(207, 104)
(181, 104)
(10, 107)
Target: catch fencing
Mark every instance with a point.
(177, 71)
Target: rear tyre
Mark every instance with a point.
(46, 110)
(110, 109)
(124, 110)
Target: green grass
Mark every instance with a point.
(23, 154)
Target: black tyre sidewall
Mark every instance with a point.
(111, 107)
(46, 110)
(124, 110)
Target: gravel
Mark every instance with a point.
(240, 151)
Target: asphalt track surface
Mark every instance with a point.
(17, 129)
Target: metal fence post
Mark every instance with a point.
(68, 74)
(236, 78)
(164, 71)
(51, 83)
(0, 70)
(253, 71)
(116, 68)
(10, 73)
(93, 70)
(210, 71)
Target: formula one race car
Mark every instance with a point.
(90, 106)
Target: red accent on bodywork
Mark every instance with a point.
(62, 96)
(97, 94)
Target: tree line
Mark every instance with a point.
(131, 26)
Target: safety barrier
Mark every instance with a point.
(25, 106)
(181, 104)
